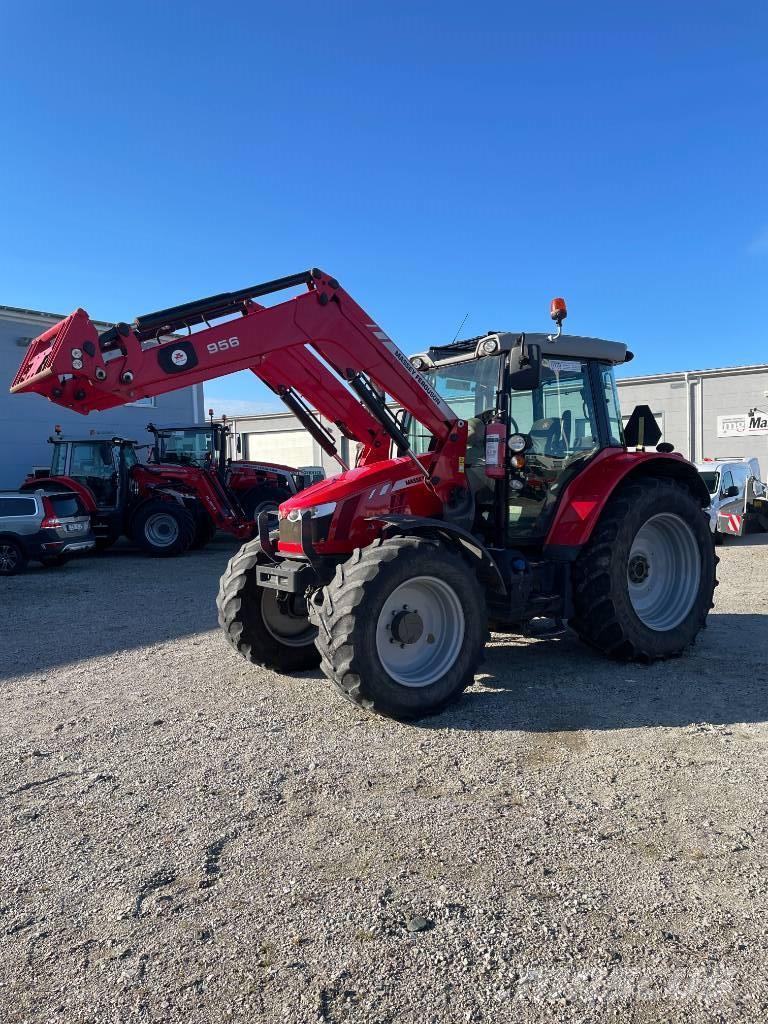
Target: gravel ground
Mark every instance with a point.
(187, 838)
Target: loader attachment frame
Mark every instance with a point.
(319, 344)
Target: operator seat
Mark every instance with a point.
(547, 437)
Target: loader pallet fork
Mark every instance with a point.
(504, 491)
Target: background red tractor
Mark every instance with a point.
(122, 496)
(256, 486)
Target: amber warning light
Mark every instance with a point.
(558, 310)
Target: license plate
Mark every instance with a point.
(75, 527)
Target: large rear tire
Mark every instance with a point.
(643, 585)
(163, 529)
(264, 630)
(402, 627)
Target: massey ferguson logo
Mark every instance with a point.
(179, 357)
(418, 377)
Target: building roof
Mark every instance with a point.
(19, 313)
(682, 375)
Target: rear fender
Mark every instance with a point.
(586, 495)
(63, 483)
(487, 569)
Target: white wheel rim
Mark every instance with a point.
(663, 572)
(161, 530)
(287, 628)
(420, 631)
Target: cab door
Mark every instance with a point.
(730, 495)
(92, 463)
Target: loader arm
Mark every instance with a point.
(318, 344)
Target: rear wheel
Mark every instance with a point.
(264, 627)
(402, 626)
(163, 528)
(12, 558)
(262, 499)
(644, 583)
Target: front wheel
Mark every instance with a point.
(163, 528)
(265, 627)
(643, 586)
(402, 626)
(261, 499)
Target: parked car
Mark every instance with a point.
(734, 485)
(39, 527)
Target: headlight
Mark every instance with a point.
(517, 443)
(488, 347)
(315, 511)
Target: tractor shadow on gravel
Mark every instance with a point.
(560, 685)
(107, 604)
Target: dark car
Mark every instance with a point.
(47, 528)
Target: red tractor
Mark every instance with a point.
(256, 486)
(504, 492)
(122, 496)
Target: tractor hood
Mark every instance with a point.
(384, 474)
(345, 511)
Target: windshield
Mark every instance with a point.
(710, 479)
(559, 417)
(469, 388)
(191, 447)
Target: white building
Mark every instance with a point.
(707, 414)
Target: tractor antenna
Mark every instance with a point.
(460, 326)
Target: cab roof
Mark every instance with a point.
(571, 346)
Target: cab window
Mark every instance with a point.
(59, 460)
(92, 459)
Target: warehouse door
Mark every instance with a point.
(288, 447)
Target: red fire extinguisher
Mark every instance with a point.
(495, 450)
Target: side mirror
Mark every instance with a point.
(731, 492)
(525, 367)
(239, 444)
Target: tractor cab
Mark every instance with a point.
(199, 446)
(537, 411)
(101, 465)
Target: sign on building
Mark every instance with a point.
(742, 424)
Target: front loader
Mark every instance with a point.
(502, 492)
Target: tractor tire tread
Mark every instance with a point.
(598, 621)
(237, 577)
(335, 609)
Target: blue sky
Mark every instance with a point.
(438, 159)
